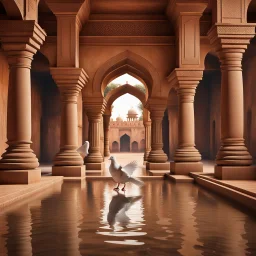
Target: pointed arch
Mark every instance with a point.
(119, 91)
(126, 62)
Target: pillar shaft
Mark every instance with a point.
(70, 82)
(233, 151)
(186, 151)
(157, 154)
(94, 118)
(147, 126)
(20, 52)
(186, 81)
(106, 119)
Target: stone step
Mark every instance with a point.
(157, 172)
(93, 172)
(179, 178)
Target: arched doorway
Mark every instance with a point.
(142, 145)
(115, 146)
(135, 146)
(125, 143)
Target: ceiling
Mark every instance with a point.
(128, 6)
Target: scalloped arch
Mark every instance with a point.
(127, 62)
(116, 93)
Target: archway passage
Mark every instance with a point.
(115, 146)
(135, 146)
(125, 143)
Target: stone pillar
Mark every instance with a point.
(85, 126)
(233, 159)
(186, 158)
(94, 161)
(102, 137)
(20, 41)
(147, 126)
(68, 162)
(106, 118)
(157, 159)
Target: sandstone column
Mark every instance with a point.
(94, 161)
(147, 126)
(68, 162)
(233, 158)
(20, 40)
(186, 158)
(106, 118)
(157, 159)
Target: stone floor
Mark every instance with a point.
(125, 158)
(240, 190)
(16, 193)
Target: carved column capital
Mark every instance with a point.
(231, 37)
(94, 107)
(70, 82)
(182, 78)
(20, 41)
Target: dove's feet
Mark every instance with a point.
(123, 189)
(116, 189)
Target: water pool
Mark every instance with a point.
(89, 218)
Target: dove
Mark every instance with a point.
(118, 207)
(123, 174)
(83, 150)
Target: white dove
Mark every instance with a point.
(123, 174)
(83, 150)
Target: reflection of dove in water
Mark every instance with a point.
(118, 207)
(83, 150)
(123, 174)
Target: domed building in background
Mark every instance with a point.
(132, 115)
(119, 119)
(127, 136)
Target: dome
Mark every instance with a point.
(132, 112)
(119, 119)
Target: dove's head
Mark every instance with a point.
(111, 158)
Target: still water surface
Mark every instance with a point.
(89, 218)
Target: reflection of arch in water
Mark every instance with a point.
(125, 143)
(115, 146)
(142, 145)
(135, 146)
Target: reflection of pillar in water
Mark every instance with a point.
(187, 199)
(69, 216)
(3, 233)
(43, 225)
(19, 235)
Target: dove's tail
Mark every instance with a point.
(136, 181)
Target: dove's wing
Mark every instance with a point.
(84, 149)
(87, 145)
(130, 168)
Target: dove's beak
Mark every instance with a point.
(109, 159)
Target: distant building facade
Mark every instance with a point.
(127, 136)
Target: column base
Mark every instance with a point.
(20, 176)
(184, 168)
(235, 172)
(158, 166)
(95, 169)
(68, 171)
